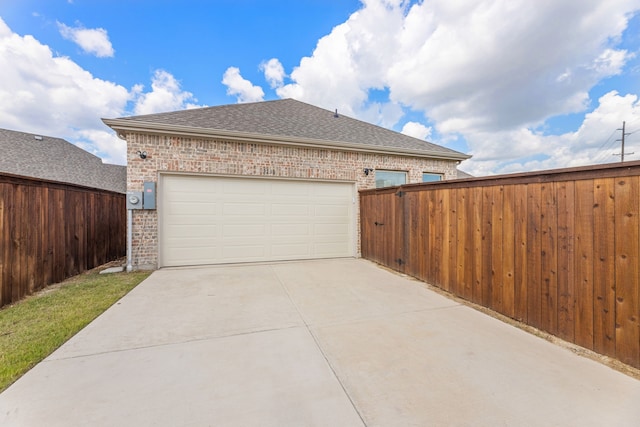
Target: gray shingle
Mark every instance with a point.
(463, 175)
(55, 159)
(293, 119)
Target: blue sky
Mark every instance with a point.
(520, 85)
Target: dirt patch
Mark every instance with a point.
(55, 286)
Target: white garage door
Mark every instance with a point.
(214, 220)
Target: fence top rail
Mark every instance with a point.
(552, 175)
(39, 182)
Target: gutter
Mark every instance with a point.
(122, 126)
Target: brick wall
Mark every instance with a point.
(231, 158)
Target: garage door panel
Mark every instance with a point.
(326, 249)
(191, 196)
(243, 230)
(243, 209)
(195, 255)
(301, 230)
(330, 229)
(251, 252)
(212, 220)
(192, 208)
(186, 231)
(289, 209)
(238, 187)
(194, 220)
(192, 246)
(284, 188)
(332, 210)
(290, 251)
(327, 189)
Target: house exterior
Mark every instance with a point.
(275, 180)
(54, 159)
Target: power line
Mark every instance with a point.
(634, 122)
(609, 145)
(622, 153)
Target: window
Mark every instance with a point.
(431, 177)
(390, 178)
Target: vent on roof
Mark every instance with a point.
(38, 137)
(336, 114)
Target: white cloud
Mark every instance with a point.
(416, 130)
(102, 143)
(166, 95)
(471, 75)
(596, 141)
(273, 72)
(240, 87)
(92, 40)
(349, 61)
(43, 93)
(488, 71)
(51, 95)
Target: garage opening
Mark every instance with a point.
(219, 220)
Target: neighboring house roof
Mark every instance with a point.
(55, 159)
(463, 174)
(284, 121)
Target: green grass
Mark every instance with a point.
(33, 328)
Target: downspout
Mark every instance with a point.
(129, 238)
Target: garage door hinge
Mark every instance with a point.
(400, 193)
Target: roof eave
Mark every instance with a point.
(121, 126)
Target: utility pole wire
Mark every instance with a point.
(622, 153)
(603, 150)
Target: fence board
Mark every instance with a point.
(486, 246)
(477, 245)
(584, 264)
(6, 197)
(604, 272)
(416, 247)
(549, 260)
(520, 253)
(425, 235)
(31, 239)
(366, 224)
(534, 243)
(468, 248)
(458, 277)
(446, 238)
(452, 237)
(19, 240)
(435, 237)
(566, 260)
(508, 252)
(626, 267)
(496, 249)
(45, 233)
(558, 250)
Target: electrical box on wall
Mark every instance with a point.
(134, 200)
(149, 195)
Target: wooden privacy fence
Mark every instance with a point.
(557, 250)
(50, 231)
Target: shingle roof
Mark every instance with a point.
(286, 118)
(55, 159)
(463, 174)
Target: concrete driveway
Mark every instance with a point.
(320, 343)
